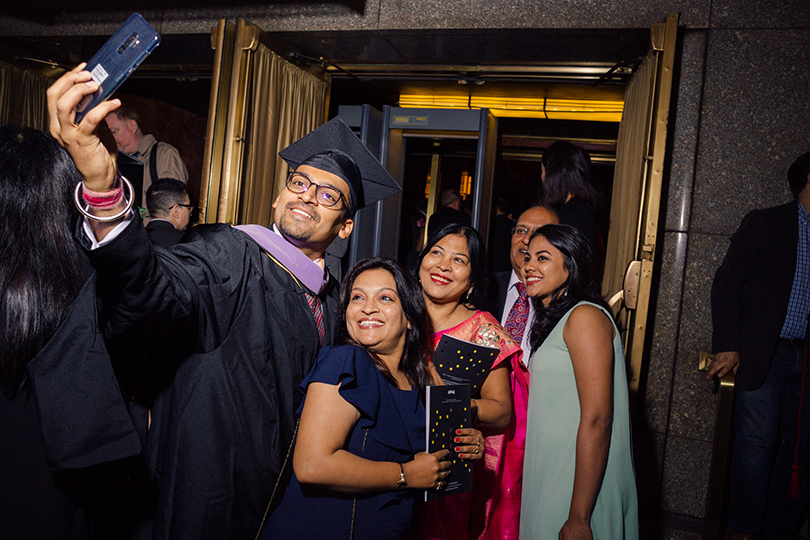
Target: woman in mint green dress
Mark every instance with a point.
(578, 478)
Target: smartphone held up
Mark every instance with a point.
(117, 59)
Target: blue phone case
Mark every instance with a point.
(119, 57)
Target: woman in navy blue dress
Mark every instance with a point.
(359, 463)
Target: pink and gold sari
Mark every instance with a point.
(492, 509)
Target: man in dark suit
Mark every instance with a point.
(760, 305)
(509, 294)
(450, 212)
(170, 207)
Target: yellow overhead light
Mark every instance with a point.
(552, 109)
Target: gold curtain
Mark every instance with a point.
(629, 175)
(286, 104)
(22, 97)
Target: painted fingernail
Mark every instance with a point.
(457, 439)
(457, 448)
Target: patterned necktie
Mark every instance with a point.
(518, 315)
(317, 312)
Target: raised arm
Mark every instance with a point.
(90, 143)
(320, 458)
(588, 333)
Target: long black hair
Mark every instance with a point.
(418, 339)
(580, 286)
(42, 268)
(478, 260)
(568, 170)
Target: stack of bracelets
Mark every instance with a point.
(104, 200)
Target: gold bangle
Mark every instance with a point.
(475, 419)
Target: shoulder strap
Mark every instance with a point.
(153, 174)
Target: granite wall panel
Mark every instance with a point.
(660, 369)
(684, 131)
(686, 476)
(754, 122)
(693, 402)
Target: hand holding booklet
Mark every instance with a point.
(462, 366)
(448, 409)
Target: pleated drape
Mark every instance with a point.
(629, 177)
(22, 97)
(286, 104)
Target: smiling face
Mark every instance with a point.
(374, 316)
(544, 270)
(528, 222)
(308, 225)
(445, 270)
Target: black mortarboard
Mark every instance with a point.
(328, 147)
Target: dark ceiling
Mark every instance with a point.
(374, 67)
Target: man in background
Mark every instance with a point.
(160, 159)
(450, 212)
(512, 307)
(170, 208)
(760, 304)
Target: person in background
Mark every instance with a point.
(578, 476)
(239, 314)
(360, 462)
(450, 212)
(567, 188)
(760, 305)
(170, 207)
(160, 159)
(499, 237)
(49, 339)
(452, 276)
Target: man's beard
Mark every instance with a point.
(303, 234)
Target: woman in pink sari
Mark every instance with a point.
(451, 272)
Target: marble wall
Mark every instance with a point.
(741, 117)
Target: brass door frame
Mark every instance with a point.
(663, 40)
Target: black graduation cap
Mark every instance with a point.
(335, 138)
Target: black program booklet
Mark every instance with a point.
(448, 409)
(461, 362)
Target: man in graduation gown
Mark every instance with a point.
(237, 315)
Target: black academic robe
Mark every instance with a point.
(163, 233)
(65, 435)
(231, 337)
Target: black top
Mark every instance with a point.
(391, 428)
(578, 214)
(236, 337)
(447, 215)
(500, 243)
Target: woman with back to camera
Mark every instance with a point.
(452, 274)
(60, 407)
(578, 477)
(359, 461)
(567, 188)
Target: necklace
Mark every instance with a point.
(436, 328)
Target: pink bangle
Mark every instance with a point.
(105, 199)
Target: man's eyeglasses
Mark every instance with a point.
(326, 195)
(522, 231)
(189, 206)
